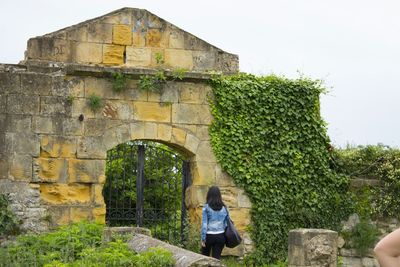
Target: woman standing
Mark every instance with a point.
(214, 221)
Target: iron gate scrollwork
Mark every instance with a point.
(145, 186)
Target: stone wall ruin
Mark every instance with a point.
(53, 146)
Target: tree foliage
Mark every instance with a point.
(268, 134)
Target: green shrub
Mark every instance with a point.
(9, 224)
(95, 102)
(380, 162)
(362, 237)
(78, 245)
(119, 81)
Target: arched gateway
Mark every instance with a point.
(54, 138)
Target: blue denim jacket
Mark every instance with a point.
(213, 221)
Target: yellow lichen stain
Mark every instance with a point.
(80, 213)
(50, 170)
(153, 38)
(65, 193)
(99, 214)
(122, 34)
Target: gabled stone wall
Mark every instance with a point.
(130, 37)
(53, 146)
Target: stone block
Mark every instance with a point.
(9, 82)
(194, 43)
(98, 198)
(23, 104)
(72, 126)
(48, 48)
(153, 38)
(236, 251)
(4, 167)
(3, 102)
(176, 58)
(191, 114)
(22, 143)
(190, 93)
(43, 125)
(86, 171)
(195, 196)
(124, 17)
(78, 34)
(115, 136)
(205, 153)
(100, 87)
(176, 39)
(202, 132)
(120, 110)
(138, 39)
(192, 143)
(352, 262)
(81, 107)
(97, 127)
(312, 247)
(178, 136)
(138, 57)
(53, 105)
(100, 33)
(59, 194)
(99, 214)
(36, 84)
(60, 215)
(92, 148)
(203, 173)
(243, 199)
(227, 63)
(50, 170)
(223, 178)
(88, 53)
(155, 54)
(122, 34)
(170, 93)
(58, 146)
(17, 123)
(164, 132)
(21, 167)
(241, 218)
(133, 91)
(203, 60)
(150, 130)
(137, 130)
(230, 196)
(147, 111)
(79, 214)
(113, 54)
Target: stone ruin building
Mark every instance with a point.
(53, 145)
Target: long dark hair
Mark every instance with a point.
(214, 198)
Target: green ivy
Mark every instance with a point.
(268, 134)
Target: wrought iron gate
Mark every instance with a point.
(145, 187)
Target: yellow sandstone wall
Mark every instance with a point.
(53, 146)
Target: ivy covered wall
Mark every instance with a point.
(268, 134)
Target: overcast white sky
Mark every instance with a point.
(353, 45)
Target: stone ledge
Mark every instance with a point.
(101, 71)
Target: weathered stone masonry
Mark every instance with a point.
(52, 163)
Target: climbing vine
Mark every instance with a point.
(268, 134)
